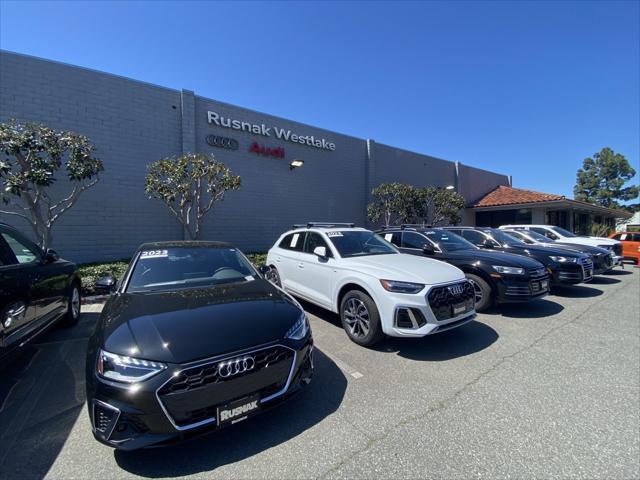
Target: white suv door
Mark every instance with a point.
(313, 276)
(286, 259)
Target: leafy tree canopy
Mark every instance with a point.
(190, 185)
(34, 154)
(602, 177)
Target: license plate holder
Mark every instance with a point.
(238, 410)
(459, 308)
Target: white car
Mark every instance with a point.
(564, 236)
(376, 289)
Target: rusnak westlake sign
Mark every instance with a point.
(215, 118)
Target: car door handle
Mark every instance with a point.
(300, 265)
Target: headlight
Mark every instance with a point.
(508, 270)
(401, 287)
(300, 329)
(125, 369)
(563, 259)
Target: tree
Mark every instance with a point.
(190, 185)
(602, 177)
(34, 156)
(437, 206)
(392, 202)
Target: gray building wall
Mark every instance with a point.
(132, 123)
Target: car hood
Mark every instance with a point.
(592, 241)
(504, 259)
(591, 250)
(405, 268)
(539, 250)
(186, 325)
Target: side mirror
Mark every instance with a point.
(428, 249)
(263, 270)
(320, 252)
(106, 284)
(488, 244)
(51, 256)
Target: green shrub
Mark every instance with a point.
(258, 259)
(90, 273)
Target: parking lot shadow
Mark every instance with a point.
(321, 398)
(533, 309)
(617, 272)
(459, 342)
(42, 392)
(601, 280)
(577, 291)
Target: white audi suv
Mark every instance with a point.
(376, 289)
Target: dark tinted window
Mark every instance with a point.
(174, 268)
(393, 237)
(473, 236)
(293, 241)
(314, 240)
(448, 241)
(23, 250)
(413, 240)
(617, 236)
(545, 232)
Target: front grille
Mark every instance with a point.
(518, 291)
(193, 396)
(442, 300)
(587, 267)
(537, 273)
(197, 377)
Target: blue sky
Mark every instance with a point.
(523, 88)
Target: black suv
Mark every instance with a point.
(37, 289)
(565, 266)
(496, 277)
(192, 339)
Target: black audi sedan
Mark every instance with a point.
(192, 339)
(497, 277)
(38, 289)
(566, 267)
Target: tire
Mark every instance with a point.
(360, 318)
(484, 298)
(72, 316)
(274, 277)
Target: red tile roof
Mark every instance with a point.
(503, 195)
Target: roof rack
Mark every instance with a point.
(323, 225)
(415, 225)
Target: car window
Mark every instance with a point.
(393, 237)
(519, 236)
(620, 236)
(314, 240)
(293, 241)
(356, 243)
(473, 236)
(413, 240)
(447, 241)
(23, 251)
(545, 232)
(635, 237)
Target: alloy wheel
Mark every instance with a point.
(75, 303)
(478, 292)
(356, 316)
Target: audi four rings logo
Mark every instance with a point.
(236, 366)
(455, 289)
(222, 142)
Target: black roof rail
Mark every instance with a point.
(415, 225)
(323, 224)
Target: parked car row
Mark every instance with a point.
(194, 338)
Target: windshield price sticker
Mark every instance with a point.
(334, 234)
(294, 240)
(154, 254)
(388, 237)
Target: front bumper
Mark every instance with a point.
(183, 401)
(522, 288)
(431, 311)
(571, 273)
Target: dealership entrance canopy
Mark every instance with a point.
(507, 205)
(133, 123)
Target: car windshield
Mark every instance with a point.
(187, 267)
(449, 241)
(518, 236)
(563, 232)
(357, 243)
(503, 238)
(538, 237)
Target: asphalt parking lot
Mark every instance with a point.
(549, 389)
